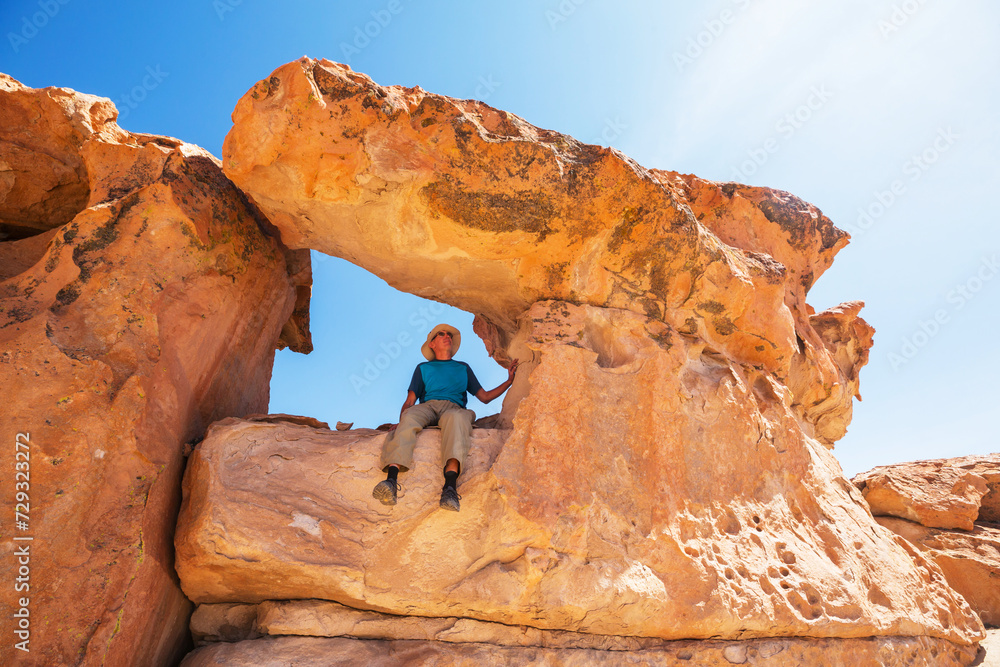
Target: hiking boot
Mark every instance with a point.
(385, 491)
(449, 499)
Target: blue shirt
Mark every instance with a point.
(444, 380)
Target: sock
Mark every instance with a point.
(393, 471)
(450, 478)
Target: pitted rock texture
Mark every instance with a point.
(470, 205)
(649, 487)
(334, 652)
(149, 308)
(940, 493)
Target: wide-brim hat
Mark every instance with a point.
(456, 340)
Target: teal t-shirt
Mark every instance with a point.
(444, 380)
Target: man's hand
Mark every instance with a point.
(487, 396)
(511, 369)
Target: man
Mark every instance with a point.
(441, 385)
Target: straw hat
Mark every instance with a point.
(456, 340)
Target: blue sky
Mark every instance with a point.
(882, 113)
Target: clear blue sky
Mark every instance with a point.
(838, 103)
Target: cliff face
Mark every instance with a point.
(141, 298)
(660, 469)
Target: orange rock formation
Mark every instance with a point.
(660, 468)
(950, 510)
(141, 298)
(659, 482)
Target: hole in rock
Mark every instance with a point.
(366, 338)
(611, 351)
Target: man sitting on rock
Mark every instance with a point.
(441, 385)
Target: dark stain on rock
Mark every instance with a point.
(101, 238)
(713, 307)
(556, 276)
(728, 189)
(622, 232)
(333, 88)
(530, 212)
(723, 325)
(664, 340)
(68, 294)
(792, 215)
(268, 86)
(463, 133)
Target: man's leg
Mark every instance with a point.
(397, 450)
(456, 434)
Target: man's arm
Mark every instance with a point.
(411, 400)
(487, 396)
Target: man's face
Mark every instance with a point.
(441, 345)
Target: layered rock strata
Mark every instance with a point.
(949, 509)
(141, 299)
(336, 652)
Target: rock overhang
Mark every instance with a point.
(470, 205)
(462, 203)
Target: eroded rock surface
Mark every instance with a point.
(141, 298)
(949, 509)
(970, 560)
(942, 493)
(649, 487)
(660, 469)
(470, 205)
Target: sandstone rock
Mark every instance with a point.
(942, 493)
(43, 179)
(650, 487)
(318, 618)
(223, 623)
(288, 419)
(308, 651)
(466, 204)
(149, 309)
(970, 561)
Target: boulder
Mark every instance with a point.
(949, 509)
(649, 487)
(941, 493)
(141, 299)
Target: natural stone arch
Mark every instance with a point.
(679, 388)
